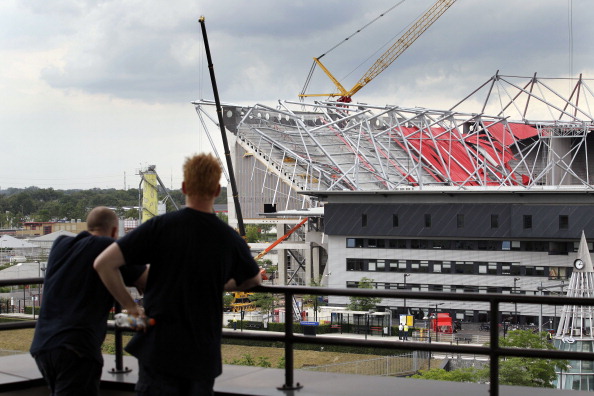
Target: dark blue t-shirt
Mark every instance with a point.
(192, 255)
(75, 304)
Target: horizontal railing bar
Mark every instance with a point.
(20, 324)
(412, 346)
(481, 297)
(21, 281)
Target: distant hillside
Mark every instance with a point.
(46, 204)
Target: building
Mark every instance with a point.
(477, 240)
(477, 191)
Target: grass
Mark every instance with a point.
(20, 340)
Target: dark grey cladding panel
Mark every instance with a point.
(346, 219)
(545, 221)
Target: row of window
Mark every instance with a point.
(421, 287)
(563, 221)
(456, 267)
(552, 247)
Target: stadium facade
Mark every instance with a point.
(490, 195)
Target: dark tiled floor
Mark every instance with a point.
(21, 371)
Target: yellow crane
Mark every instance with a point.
(403, 42)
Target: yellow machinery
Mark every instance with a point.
(241, 302)
(149, 193)
(403, 42)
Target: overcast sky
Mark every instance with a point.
(92, 91)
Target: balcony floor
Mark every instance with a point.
(19, 376)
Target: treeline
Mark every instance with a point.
(46, 204)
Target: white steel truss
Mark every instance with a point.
(514, 132)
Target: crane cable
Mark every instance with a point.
(313, 66)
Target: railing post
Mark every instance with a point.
(289, 361)
(494, 350)
(119, 348)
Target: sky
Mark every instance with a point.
(93, 91)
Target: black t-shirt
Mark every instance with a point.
(75, 304)
(192, 255)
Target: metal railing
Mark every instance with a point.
(289, 338)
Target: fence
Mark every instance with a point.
(396, 365)
(492, 350)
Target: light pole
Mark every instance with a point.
(516, 304)
(405, 312)
(429, 330)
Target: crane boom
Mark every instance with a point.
(401, 45)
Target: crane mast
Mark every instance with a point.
(401, 45)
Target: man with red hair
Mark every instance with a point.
(194, 257)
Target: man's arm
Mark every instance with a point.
(107, 265)
(141, 281)
(231, 285)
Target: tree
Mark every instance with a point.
(528, 371)
(364, 303)
(264, 302)
(251, 233)
(518, 371)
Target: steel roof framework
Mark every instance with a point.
(526, 134)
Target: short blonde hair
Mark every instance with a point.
(202, 174)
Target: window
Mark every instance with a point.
(363, 220)
(442, 244)
(427, 220)
(492, 269)
(371, 265)
(397, 243)
(354, 242)
(424, 266)
(419, 244)
(527, 222)
(381, 265)
(505, 245)
(515, 269)
(563, 222)
(355, 265)
(460, 221)
(515, 245)
(494, 221)
(371, 243)
(394, 220)
(464, 267)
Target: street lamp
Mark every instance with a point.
(405, 312)
(429, 331)
(516, 304)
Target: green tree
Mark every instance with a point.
(528, 371)
(518, 371)
(263, 301)
(252, 234)
(364, 303)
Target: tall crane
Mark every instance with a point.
(403, 42)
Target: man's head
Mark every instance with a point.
(102, 221)
(202, 174)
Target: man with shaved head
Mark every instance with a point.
(75, 306)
